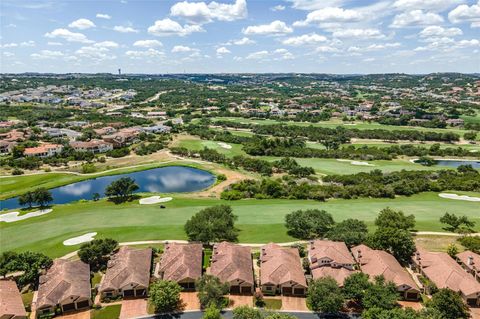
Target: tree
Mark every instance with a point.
(380, 294)
(165, 295)
(211, 291)
(471, 243)
(30, 263)
(355, 287)
(455, 223)
(42, 196)
(351, 231)
(426, 161)
(212, 312)
(452, 250)
(324, 295)
(448, 304)
(277, 315)
(121, 188)
(398, 313)
(212, 224)
(97, 252)
(471, 136)
(246, 312)
(308, 224)
(394, 219)
(26, 199)
(96, 196)
(397, 242)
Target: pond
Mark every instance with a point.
(171, 179)
(457, 163)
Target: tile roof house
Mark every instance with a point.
(11, 304)
(94, 146)
(45, 150)
(66, 284)
(281, 270)
(470, 261)
(445, 272)
(330, 259)
(128, 273)
(233, 264)
(378, 262)
(181, 263)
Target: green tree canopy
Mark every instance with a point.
(390, 218)
(355, 287)
(308, 224)
(122, 188)
(212, 312)
(97, 252)
(351, 231)
(246, 312)
(165, 296)
(211, 291)
(212, 224)
(457, 223)
(380, 294)
(448, 304)
(398, 313)
(324, 295)
(29, 262)
(396, 241)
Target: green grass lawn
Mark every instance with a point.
(108, 312)
(197, 145)
(259, 221)
(272, 304)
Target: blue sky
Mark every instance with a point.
(322, 36)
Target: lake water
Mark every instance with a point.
(171, 179)
(475, 164)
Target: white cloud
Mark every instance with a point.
(438, 31)
(223, 50)
(359, 33)
(124, 29)
(68, 36)
(278, 54)
(310, 5)
(95, 53)
(276, 27)
(465, 13)
(374, 47)
(430, 5)
(103, 16)
(326, 49)
(330, 15)
(182, 48)
(8, 54)
(106, 44)
(200, 12)
(82, 24)
(415, 18)
(242, 41)
(147, 43)
(150, 53)
(168, 27)
(47, 54)
(278, 8)
(54, 43)
(21, 44)
(306, 39)
(257, 55)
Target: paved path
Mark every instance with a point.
(435, 233)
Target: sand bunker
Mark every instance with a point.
(80, 239)
(459, 197)
(154, 200)
(225, 145)
(359, 163)
(13, 216)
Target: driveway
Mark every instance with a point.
(475, 313)
(132, 308)
(85, 314)
(190, 300)
(415, 305)
(237, 301)
(294, 303)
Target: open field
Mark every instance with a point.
(259, 221)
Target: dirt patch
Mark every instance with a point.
(232, 177)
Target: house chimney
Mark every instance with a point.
(359, 254)
(470, 260)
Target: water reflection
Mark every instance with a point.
(172, 179)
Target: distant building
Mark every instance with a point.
(45, 150)
(94, 146)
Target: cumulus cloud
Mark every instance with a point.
(276, 27)
(326, 49)
(47, 54)
(68, 36)
(124, 29)
(465, 13)
(438, 31)
(278, 8)
(415, 18)
(150, 53)
(168, 27)
(242, 41)
(103, 16)
(21, 44)
(95, 53)
(82, 24)
(430, 5)
(330, 15)
(374, 47)
(147, 43)
(106, 44)
(306, 39)
(182, 48)
(223, 50)
(278, 54)
(200, 12)
(359, 33)
(257, 55)
(310, 5)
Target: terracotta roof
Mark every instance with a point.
(445, 272)
(11, 304)
(181, 261)
(379, 262)
(280, 265)
(128, 266)
(232, 262)
(474, 264)
(336, 251)
(339, 274)
(89, 144)
(41, 149)
(63, 280)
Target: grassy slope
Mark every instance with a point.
(259, 220)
